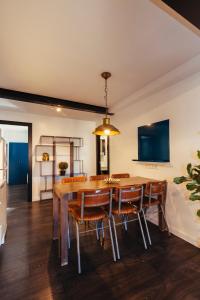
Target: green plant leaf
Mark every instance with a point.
(181, 179)
(198, 179)
(191, 186)
(198, 213)
(194, 197)
(198, 154)
(196, 169)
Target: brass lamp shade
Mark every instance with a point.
(106, 128)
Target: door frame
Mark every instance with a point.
(29, 125)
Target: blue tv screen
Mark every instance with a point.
(153, 142)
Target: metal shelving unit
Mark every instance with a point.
(49, 169)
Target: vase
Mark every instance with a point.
(45, 156)
(62, 172)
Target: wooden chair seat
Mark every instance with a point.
(126, 208)
(147, 203)
(73, 204)
(90, 213)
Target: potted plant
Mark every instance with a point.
(193, 180)
(63, 166)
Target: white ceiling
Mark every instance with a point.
(59, 48)
(25, 107)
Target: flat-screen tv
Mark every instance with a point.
(153, 142)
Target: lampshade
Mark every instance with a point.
(106, 128)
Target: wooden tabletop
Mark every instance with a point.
(61, 189)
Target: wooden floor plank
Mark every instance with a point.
(30, 269)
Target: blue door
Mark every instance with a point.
(18, 163)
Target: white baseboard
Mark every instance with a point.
(185, 237)
(182, 235)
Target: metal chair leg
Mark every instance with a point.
(116, 239)
(125, 222)
(163, 212)
(97, 230)
(147, 227)
(78, 248)
(68, 234)
(111, 237)
(102, 229)
(142, 232)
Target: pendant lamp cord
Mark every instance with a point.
(106, 97)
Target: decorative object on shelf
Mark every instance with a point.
(112, 180)
(45, 156)
(106, 128)
(193, 180)
(63, 167)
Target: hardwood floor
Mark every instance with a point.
(17, 194)
(29, 266)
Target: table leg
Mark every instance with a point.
(64, 230)
(55, 217)
(161, 220)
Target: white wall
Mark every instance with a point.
(43, 125)
(14, 134)
(181, 104)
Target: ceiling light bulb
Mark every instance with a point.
(107, 131)
(58, 109)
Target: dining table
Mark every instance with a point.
(64, 192)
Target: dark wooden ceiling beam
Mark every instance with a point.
(50, 101)
(189, 9)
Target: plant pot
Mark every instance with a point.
(62, 172)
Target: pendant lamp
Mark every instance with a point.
(106, 128)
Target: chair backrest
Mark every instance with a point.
(95, 198)
(99, 177)
(131, 194)
(74, 179)
(156, 188)
(122, 175)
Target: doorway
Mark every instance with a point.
(18, 137)
(103, 155)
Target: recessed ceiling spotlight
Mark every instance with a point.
(58, 109)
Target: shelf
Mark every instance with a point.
(74, 175)
(44, 145)
(152, 163)
(45, 161)
(46, 191)
(59, 149)
(77, 160)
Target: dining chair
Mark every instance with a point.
(91, 208)
(154, 195)
(128, 201)
(72, 202)
(99, 177)
(121, 175)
